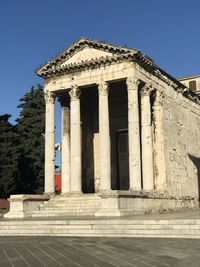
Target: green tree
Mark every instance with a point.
(9, 158)
(31, 127)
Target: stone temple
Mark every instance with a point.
(130, 136)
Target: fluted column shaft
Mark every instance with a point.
(49, 183)
(75, 140)
(104, 138)
(134, 134)
(65, 145)
(147, 149)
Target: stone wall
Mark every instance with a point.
(181, 135)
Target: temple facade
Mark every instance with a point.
(130, 132)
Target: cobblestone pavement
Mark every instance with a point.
(88, 251)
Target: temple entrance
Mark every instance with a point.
(118, 117)
(89, 129)
(122, 160)
(118, 113)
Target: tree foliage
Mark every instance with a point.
(8, 159)
(22, 147)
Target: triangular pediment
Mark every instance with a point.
(86, 54)
(82, 52)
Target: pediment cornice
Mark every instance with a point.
(111, 54)
(57, 61)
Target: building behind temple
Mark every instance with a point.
(130, 134)
(192, 82)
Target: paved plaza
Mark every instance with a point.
(87, 251)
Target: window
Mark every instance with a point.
(193, 85)
(198, 87)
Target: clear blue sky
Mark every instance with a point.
(33, 31)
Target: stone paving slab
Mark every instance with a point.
(88, 251)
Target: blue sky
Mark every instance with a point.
(33, 31)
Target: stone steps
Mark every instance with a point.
(61, 206)
(101, 227)
(68, 205)
(65, 209)
(63, 213)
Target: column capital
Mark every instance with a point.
(74, 92)
(132, 83)
(160, 98)
(103, 89)
(49, 97)
(147, 89)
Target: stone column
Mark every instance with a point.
(159, 156)
(49, 184)
(104, 138)
(134, 134)
(75, 141)
(65, 145)
(147, 149)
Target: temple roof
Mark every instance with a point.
(87, 53)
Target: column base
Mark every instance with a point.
(110, 204)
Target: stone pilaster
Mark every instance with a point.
(160, 165)
(134, 134)
(75, 140)
(49, 184)
(104, 138)
(146, 134)
(65, 145)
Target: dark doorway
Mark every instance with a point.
(118, 111)
(89, 126)
(122, 160)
